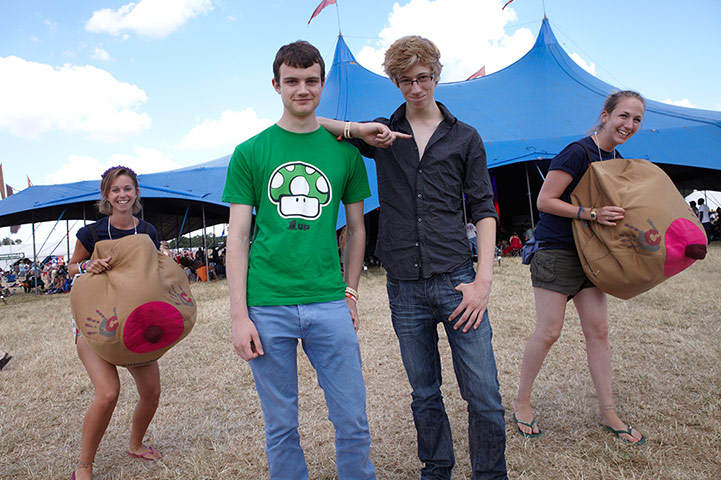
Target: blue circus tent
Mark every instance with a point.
(175, 202)
(528, 112)
(525, 113)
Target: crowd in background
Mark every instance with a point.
(51, 275)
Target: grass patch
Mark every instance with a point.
(667, 382)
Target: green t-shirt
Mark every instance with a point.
(296, 182)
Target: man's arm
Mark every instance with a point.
(373, 133)
(245, 336)
(355, 240)
(476, 294)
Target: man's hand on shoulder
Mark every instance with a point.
(245, 339)
(377, 134)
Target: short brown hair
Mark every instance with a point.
(300, 54)
(407, 52)
(108, 178)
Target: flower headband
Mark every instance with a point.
(130, 170)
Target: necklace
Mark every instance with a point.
(135, 228)
(595, 137)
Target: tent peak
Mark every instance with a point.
(545, 34)
(342, 52)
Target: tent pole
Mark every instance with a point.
(205, 245)
(67, 241)
(35, 261)
(530, 201)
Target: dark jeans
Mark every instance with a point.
(416, 309)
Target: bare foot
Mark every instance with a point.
(83, 471)
(524, 415)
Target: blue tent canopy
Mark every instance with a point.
(528, 112)
(171, 200)
(531, 109)
(525, 113)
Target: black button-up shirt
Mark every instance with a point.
(421, 228)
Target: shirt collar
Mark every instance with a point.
(399, 116)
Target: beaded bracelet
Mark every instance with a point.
(82, 266)
(578, 215)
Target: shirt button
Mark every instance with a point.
(415, 265)
(420, 195)
(420, 171)
(416, 244)
(420, 219)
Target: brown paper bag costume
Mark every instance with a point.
(133, 313)
(658, 237)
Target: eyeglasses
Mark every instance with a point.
(422, 79)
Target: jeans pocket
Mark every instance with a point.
(394, 290)
(464, 274)
(543, 266)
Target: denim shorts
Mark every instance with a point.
(559, 271)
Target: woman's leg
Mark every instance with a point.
(147, 379)
(592, 310)
(105, 380)
(550, 311)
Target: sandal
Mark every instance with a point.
(4, 361)
(618, 434)
(151, 455)
(530, 425)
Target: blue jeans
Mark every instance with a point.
(326, 333)
(416, 309)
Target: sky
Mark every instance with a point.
(163, 84)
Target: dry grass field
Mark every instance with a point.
(667, 381)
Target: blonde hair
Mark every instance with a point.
(108, 178)
(407, 52)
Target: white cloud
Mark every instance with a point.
(52, 25)
(38, 98)
(78, 167)
(231, 129)
(149, 18)
(590, 68)
(100, 54)
(145, 160)
(680, 103)
(467, 42)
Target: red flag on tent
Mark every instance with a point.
(480, 73)
(30, 184)
(323, 4)
(2, 182)
(504, 7)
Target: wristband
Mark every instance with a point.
(349, 291)
(578, 215)
(346, 131)
(354, 298)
